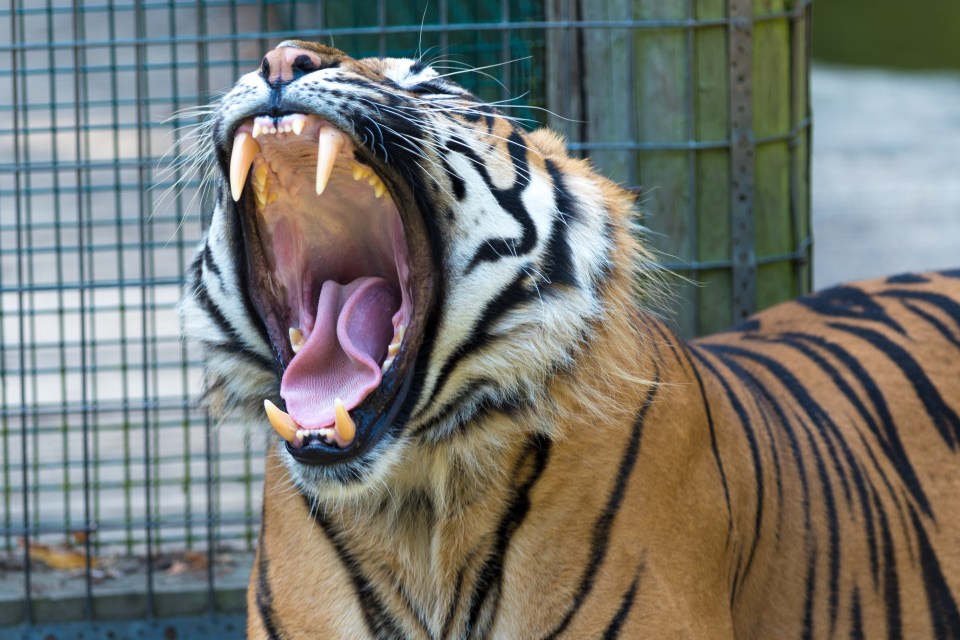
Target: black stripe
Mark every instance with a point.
(234, 232)
(713, 443)
(457, 590)
(950, 307)
(487, 398)
(943, 417)
(795, 341)
(233, 342)
(557, 260)
(891, 581)
(907, 278)
(831, 433)
(379, 623)
(810, 590)
(950, 273)
(422, 362)
(749, 432)
(889, 437)
(515, 293)
(427, 86)
(510, 200)
(849, 302)
(459, 185)
(934, 322)
(943, 608)
(264, 595)
(856, 616)
(603, 527)
(486, 588)
(626, 603)
(210, 264)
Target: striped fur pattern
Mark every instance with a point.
(564, 466)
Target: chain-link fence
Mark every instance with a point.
(123, 510)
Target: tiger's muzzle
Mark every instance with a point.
(339, 273)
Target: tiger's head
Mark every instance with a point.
(394, 269)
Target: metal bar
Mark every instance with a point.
(742, 153)
(505, 55)
(406, 29)
(799, 255)
(211, 528)
(381, 27)
(18, 212)
(690, 145)
(141, 117)
(82, 271)
(693, 226)
(443, 19)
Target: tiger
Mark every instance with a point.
(481, 425)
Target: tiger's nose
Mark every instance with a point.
(285, 64)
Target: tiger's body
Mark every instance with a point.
(554, 462)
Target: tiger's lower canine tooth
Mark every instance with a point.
(245, 149)
(345, 426)
(281, 421)
(328, 148)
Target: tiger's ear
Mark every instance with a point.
(547, 142)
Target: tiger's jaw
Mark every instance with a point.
(332, 276)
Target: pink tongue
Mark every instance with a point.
(341, 357)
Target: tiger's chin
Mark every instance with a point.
(340, 275)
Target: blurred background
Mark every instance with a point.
(769, 157)
(885, 88)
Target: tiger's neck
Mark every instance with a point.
(440, 533)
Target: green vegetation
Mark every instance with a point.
(924, 34)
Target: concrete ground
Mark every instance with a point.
(886, 172)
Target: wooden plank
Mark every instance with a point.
(674, 89)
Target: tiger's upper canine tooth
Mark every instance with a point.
(281, 421)
(344, 424)
(329, 145)
(245, 149)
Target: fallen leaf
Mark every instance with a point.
(59, 558)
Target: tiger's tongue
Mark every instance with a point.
(341, 357)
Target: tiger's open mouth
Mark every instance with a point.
(329, 271)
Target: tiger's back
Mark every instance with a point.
(848, 402)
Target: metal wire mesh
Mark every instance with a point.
(104, 458)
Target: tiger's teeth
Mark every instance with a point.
(256, 129)
(378, 187)
(360, 171)
(282, 423)
(329, 145)
(298, 125)
(345, 427)
(393, 348)
(245, 149)
(259, 181)
(296, 339)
